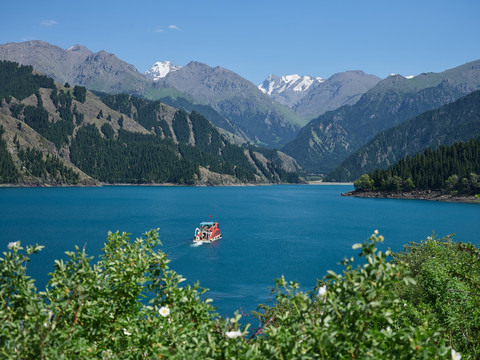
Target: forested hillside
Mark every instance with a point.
(454, 168)
(59, 135)
(458, 121)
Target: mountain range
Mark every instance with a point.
(254, 116)
(247, 112)
(55, 134)
(328, 140)
(348, 109)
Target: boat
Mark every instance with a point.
(208, 232)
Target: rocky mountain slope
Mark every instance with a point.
(311, 97)
(259, 118)
(340, 89)
(288, 89)
(455, 122)
(59, 135)
(77, 65)
(329, 139)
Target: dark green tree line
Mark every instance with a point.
(451, 168)
(48, 167)
(20, 82)
(131, 158)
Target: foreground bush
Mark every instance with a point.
(128, 304)
(447, 285)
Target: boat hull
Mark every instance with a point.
(207, 240)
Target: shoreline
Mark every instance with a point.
(319, 182)
(314, 183)
(430, 195)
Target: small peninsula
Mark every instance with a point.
(432, 195)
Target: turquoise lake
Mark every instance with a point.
(300, 231)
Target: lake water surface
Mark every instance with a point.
(299, 231)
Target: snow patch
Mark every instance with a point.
(161, 69)
(294, 82)
(405, 77)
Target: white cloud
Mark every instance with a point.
(170, 27)
(48, 22)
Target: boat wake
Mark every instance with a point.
(196, 244)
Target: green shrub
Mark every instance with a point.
(447, 285)
(356, 315)
(129, 304)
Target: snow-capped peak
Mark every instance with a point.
(160, 69)
(289, 89)
(299, 84)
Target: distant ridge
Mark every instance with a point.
(77, 65)
(455, 122)
(340, 89)
(310, 97)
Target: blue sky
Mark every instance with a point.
(258, 38)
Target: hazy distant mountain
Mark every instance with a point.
(340, 89)
(288, 89)
(160, 69)
(329, 139)
(310, 97)
(53, 61)
(77, 65)
(455, 122)
(259, 118)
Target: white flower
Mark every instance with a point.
(50, 314)
(13, 244)
(456, 355)
(322, 292)
(164, 311)
(233, 334)
(387, 332)
(376, 232)
(126, 332)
